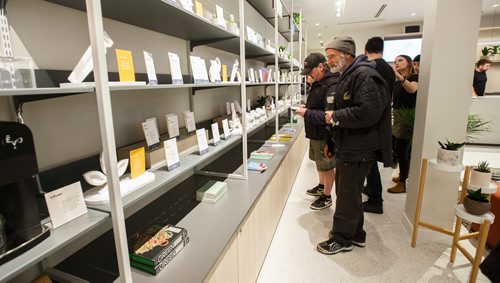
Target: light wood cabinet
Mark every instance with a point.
(227, 268)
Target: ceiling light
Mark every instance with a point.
(319, 34)
(339, 7)
(413, 14)
(317, 24)
(495, 5)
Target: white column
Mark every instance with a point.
(449, 45)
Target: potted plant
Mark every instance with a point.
(485, 52)
(476, 125)
(449, 153)
(480, 176)
(297, 17)
(281, 51)
(476, 203)
(261, 100)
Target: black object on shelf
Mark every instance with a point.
(21, 228)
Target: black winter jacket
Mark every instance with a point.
(362, 109)
(316, 105)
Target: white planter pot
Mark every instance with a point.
(480, 179)
(448, 157)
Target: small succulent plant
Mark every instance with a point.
(483, 166)
(451, 145)
(476, 196)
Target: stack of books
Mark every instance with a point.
(256, 166)
(261, 155)
(153, 247)
(282, 137)
(211, 192)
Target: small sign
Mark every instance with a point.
(151, 134)
(202, 141)
(234, 70)
(172, 154)
(198, 7)
(150, 68)
(225, 128)
(248, 105)
(199, 69)
(238, 107)
(220, 16)
(224, 73)
(189, 121)
(175, 68)
(172, 125)
(215, 134)
(65, 204)
(228, 108)
(137, 162)
(125, 65)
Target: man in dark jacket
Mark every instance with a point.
(322, 91)
(362, 135)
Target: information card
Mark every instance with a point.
(224, 73)
(225, 128)
(201, 136)
(172, 125)
(234, 70)
(137, 162)
(172, 154)
(215, 134)
(199, 69)
(65, 204)
(150, 68)
(220, 16)
(125, 65)
(189, 121)
(151, 134)
(175, 68)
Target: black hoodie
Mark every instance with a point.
(362, 112)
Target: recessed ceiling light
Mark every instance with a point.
(317, 24)
(413, 14)
(321, 41)
(319, 34)
(495, 5)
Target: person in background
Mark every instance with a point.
(314, 119)
(404, 97)
(374, 49)
(362, 135)
(479, 83)
(416, 64)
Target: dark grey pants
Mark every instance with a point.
(348, 218)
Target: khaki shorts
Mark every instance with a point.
(316, 154)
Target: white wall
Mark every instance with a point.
(66, 129)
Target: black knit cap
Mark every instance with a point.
(417, 58)
(312, 61)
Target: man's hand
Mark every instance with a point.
(301, 111)
(327, 154)
(328, 116)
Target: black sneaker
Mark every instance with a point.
(331, 247)
(358, 243)
(366, 190)
(316, 191)
(373, 207)
(322, 202)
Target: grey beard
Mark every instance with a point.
(340, 66)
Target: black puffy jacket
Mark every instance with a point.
(362, 108)
(316, 105)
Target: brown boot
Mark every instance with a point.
(397, 189)
(395, 179)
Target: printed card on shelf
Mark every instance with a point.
(154, 122)
(172, 154)
(225, 128)
(251, 76)
(187, 5)
(234, 70)
(256, 76)
(233, 108)
(150, 68)
(151, 134)
(189, 121)
(201, 136)
(248, 105)
(228, 108)
(224, 73)
(198, 7)
(175, 68)
(137, 162)
(215, 134)
(220, 16)
(65, 204)
(172, 125)
(125, 65)
(238, 107)
(261, 76)
(199, 69)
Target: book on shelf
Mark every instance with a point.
(256, 166)
(153, 243)
(281, 137)
(157, 268)
(262, 155)
(211, 192)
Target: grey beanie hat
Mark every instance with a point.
(343, 44)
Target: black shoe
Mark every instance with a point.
(373, 207)
(331, 247)
(322, 202)
(359, 243)
(366, 190)
(316, 191)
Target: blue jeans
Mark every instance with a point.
(374, 184)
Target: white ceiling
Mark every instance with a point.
(360, 14)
